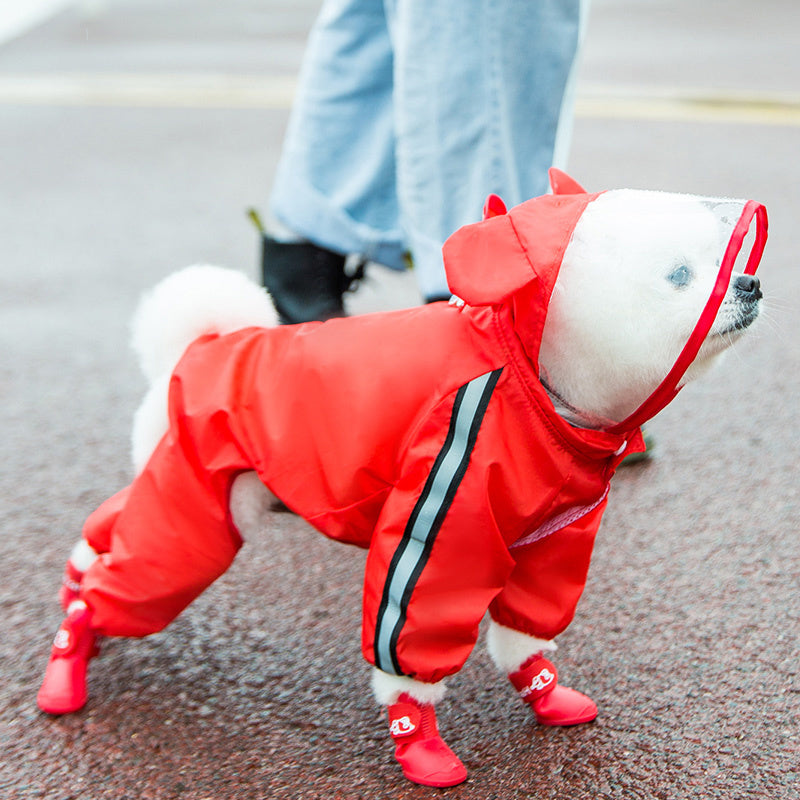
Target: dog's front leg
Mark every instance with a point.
(534, 676)
(420, 750)
(536, 605)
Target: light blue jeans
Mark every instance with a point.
(409, 112)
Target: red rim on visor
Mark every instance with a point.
(669, 387)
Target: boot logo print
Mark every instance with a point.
(62, 640)
(402, 726)
(540, 681)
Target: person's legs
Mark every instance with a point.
(408, 113)
(335, 184)
(479, 107)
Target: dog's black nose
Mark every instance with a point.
(748, 285)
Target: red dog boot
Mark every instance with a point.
(64, 686)
(422, 753)
(536, 681)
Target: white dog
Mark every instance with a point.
(468, 445)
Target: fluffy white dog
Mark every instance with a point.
(468, 445)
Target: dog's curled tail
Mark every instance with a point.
(187, 304)
(190, 303)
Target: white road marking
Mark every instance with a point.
(241, 91)
(142, 90)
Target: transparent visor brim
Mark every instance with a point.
(742, 229)
(737, 233)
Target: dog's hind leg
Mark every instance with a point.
(64, 687)
(166, 538)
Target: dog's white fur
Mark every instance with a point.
(616, 322)
(615, 326)
(510, 649)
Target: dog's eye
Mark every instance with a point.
(681, 276)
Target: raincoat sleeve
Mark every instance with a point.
(437, 558)
(548, 578)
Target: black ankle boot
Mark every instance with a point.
(306, 282)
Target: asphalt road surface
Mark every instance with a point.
(133, 135)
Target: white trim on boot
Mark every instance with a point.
(76, 605)
(510, 649)
(388, 688)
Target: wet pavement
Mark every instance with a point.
(133, 135)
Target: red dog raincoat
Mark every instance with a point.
(423, 435)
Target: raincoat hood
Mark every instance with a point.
(513, 258)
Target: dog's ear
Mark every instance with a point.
(485, 261)
(494, 207)
(561, 183)
(488, 261)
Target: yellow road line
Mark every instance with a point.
(688, 105)
(228, 91)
